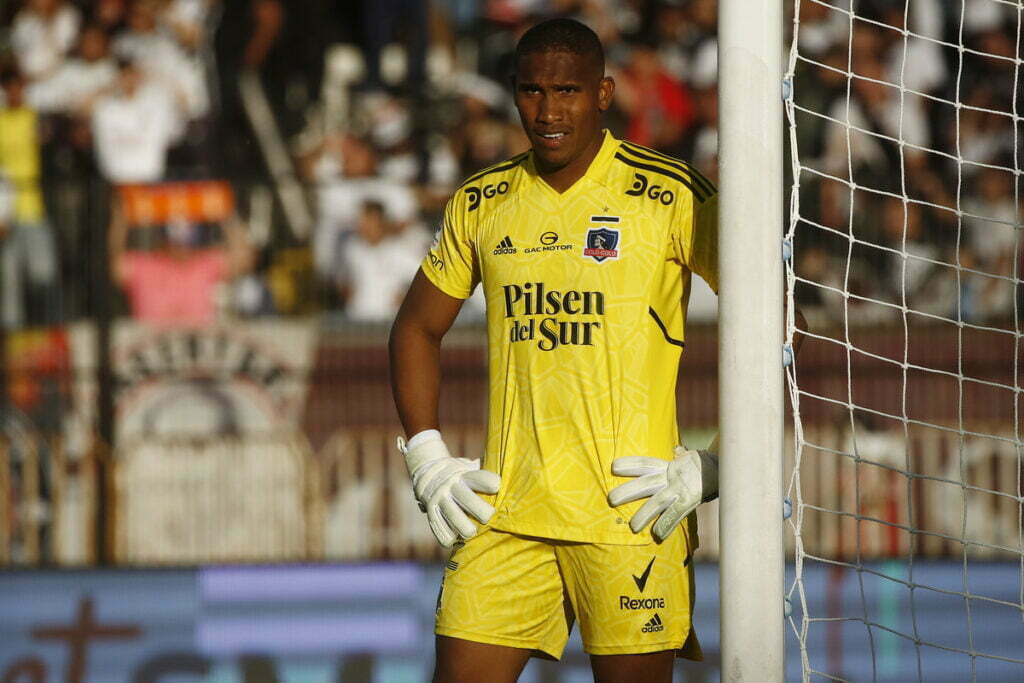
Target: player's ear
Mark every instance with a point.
(605, 90)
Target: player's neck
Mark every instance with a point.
(563, 177)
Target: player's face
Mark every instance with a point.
(560, 97)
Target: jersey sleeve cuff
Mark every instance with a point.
(436, 280)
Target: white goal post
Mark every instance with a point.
(750, 339)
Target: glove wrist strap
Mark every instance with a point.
(423, 437)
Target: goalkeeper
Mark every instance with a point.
(584, 247)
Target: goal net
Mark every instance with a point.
(905, 244)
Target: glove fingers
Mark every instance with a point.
(643, 487)
(483, 481)
(442, 532)
(637, 465)
(649, 510)
(472, 503)
(456, 518)
(670, 519)
(431, 477)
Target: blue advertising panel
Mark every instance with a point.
(372, 623)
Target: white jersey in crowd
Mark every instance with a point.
(132, 134)
(379, 274)
(40, 45)
(340, 201)
(71, 86)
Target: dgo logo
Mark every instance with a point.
(655, 192)
(476, 194)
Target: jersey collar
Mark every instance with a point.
(596, 171)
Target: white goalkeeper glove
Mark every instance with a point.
(674, 488)
(444, 487)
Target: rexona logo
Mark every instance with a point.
(628, 603)
(654, 625)
(640, 188)
(476, 194)
(532, 309)
(504, 247)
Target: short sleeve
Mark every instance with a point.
(703, 258)
(451, 263)
(695, 237)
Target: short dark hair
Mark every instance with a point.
(562, 35)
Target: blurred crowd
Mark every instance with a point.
(344, 126)
(909, 183)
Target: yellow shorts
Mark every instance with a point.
(525, 592)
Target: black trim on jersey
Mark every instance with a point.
(647, 152)
(664, 331)
(604, 219)
(663, 171)
(515, 161)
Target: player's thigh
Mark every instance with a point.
(632, 600)
(506, 590)
(465, 661)
(651, 667)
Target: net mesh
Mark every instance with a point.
(905, 235)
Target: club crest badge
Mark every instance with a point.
(602, 243)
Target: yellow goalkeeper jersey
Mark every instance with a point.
(586, 297)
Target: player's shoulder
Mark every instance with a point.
(661, 178)
(486, 189)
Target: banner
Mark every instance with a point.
(365, 623)
(218, 381)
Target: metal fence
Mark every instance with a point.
(273, 441)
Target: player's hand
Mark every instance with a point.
(674, 488)
(444, 487)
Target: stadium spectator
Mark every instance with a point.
(43, 32)
(980, 134)
(821, 29)
(28, 254)
(874, 105)
(158, 53)
(483, 134)
(73, 85)
(704, 138)
(346, 171)
(378, 263)
(112, 15)
(989, 241)
(384, 22)
(910, 274)
(181, 283)
(186, 21)
(914, 61)
(658, 107)
(390, 121)
(134, 125)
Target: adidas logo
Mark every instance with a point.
(504, 247)
(654, 625)
(452, 565)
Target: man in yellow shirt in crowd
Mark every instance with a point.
(28, 257)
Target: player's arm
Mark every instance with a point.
(425, 316)
(444, 486)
